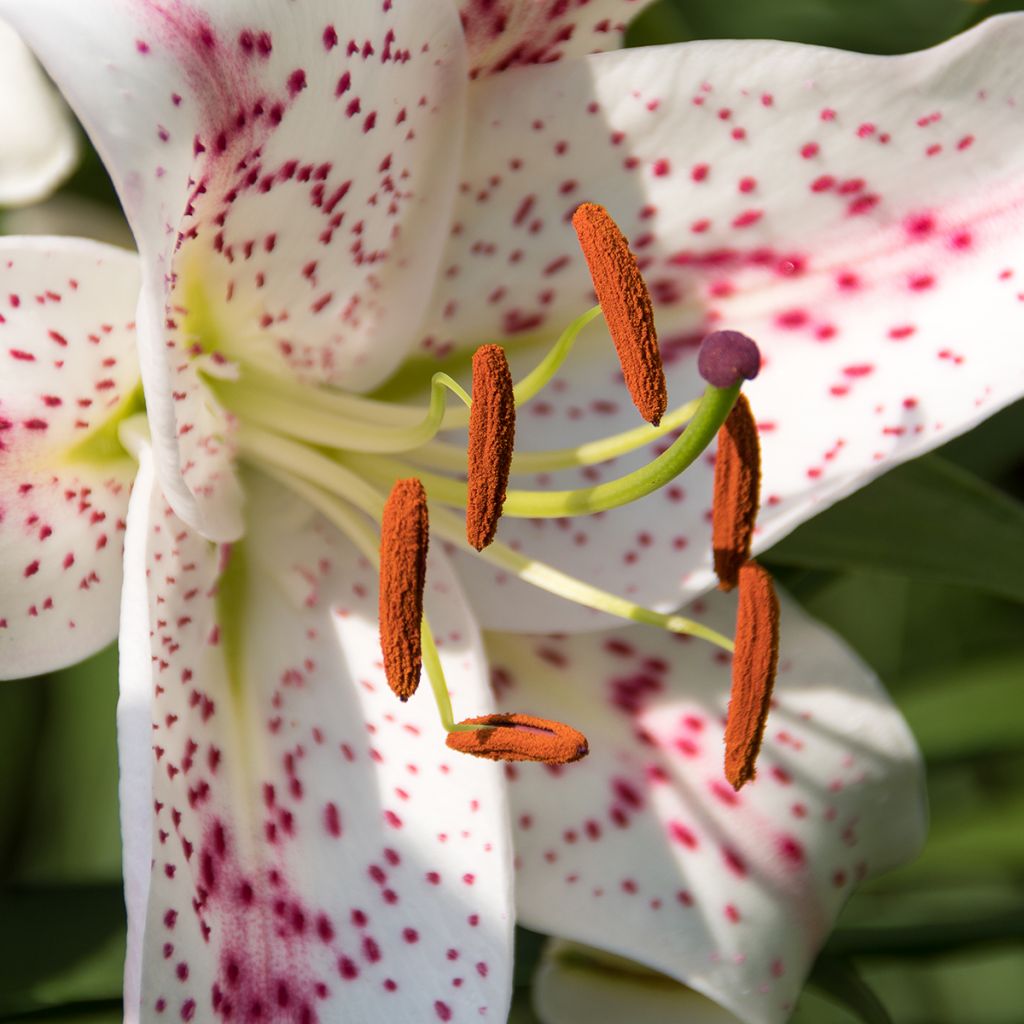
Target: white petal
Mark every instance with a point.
(69, 369)
(858, 216)
(575, 983)
(289, 180)
(316, 849)
(38, 147)
(511, 33)
(643, 849)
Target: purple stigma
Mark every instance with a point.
(727, 357)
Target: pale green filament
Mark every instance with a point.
(271, 450)
(442, 455)
(540, 376)
(343, 405)
(714, 407)
(336, 420)
(277, 456)
(317, 426)
(367, 540)
(435, 673)
(553, 580)
(326, 417)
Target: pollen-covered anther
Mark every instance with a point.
(626, 305)
(516, 737)
(492, 432)
(754, 665)
(404, 534)
(727, 357)
(736, 493)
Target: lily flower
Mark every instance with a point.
(318, 197)
(39, 146)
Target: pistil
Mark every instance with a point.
(728, 357)
(711, 413)
(404, 535)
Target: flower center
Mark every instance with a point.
(344, 453)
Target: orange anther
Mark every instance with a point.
(753, 672)
(737, 487)
(515, 737)
(404, 534)
(492, 432)
(626, 305)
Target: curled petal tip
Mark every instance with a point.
(728, 357)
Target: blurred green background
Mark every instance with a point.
(922, 573)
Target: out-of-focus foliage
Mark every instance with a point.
(928, 520)
(61, 906)
(870, 26)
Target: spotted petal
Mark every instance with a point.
(509, 33)
(38, 147)
(288, 179)
(69, 373)
(858, 216)
(644, 850)
(317, 853)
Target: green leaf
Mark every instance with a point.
(71, 830)
(994, 449)
(931, 938)
(839, 980)
(661, 22)
(62, 944)
(529, 947)
(927, 519)
(958, 710)
(983, 843)
(21, 710)
(90, 1011)
(964, 989)
(871, 26)
(869, 611)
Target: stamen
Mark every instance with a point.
(626, 305)
(492, 431)
(403, 569)
(516, 737)
(753, 672)
(317, 477)
(737, 487)
(727, 358)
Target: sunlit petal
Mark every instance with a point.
(644, 850)
(301, 846)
